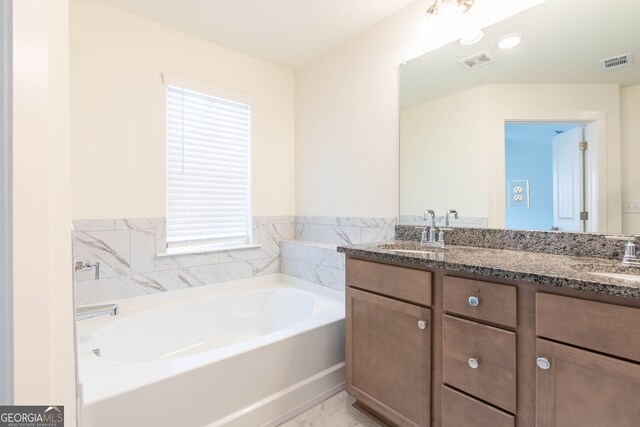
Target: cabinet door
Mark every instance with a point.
(389, 357)
(580, 388)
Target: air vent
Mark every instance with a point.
(617, 62)
(476, 61)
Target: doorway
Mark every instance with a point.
(546, 174)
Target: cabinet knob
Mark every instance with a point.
(422, 324)
(474, 301)
(473, 363)
(543, 363)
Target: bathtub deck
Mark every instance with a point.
(333, 412)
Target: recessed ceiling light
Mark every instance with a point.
(509, 41)
(472, 37)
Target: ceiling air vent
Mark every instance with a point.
(617, 62)
(476, 61)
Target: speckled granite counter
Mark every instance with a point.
(546, 269)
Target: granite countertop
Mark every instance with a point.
(553, 270)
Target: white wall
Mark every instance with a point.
(6, 316)
(347, 112)
(630, 113)
(118, 112)
(43, 301)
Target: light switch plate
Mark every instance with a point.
(518, 191)
(632, 207)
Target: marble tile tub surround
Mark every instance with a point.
(312, 255)
(314, 262)
(129, 266)
(548, 242)
(344, 230)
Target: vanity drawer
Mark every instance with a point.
(604, 327)
(494, 378)
(461, 410)
(397, 282)
(495, 303)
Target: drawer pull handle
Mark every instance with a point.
(543, 363)
(422, 324)
(473, 363)
(474, 301)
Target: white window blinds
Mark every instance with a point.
(208, 169)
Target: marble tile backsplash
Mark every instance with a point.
(129, 265)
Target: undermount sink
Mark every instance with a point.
(620, 272)
(621, 276)
(410, 249)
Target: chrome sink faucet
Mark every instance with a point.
(432, 236)
(89, 311)
(446, 217)
(431, 232)
(630, 256)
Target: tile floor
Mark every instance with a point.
(333, 412)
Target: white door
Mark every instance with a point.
(567, 180)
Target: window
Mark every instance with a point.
(208, 167)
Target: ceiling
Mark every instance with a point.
(563, 42)
(289, 33)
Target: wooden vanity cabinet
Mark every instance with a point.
(448, 349)
(578, 388)
(459, 410)
(582, 379)
(493, 350)
(388, 346)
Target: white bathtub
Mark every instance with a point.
(248, 353)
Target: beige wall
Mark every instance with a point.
(118, 112)
(444, 158)
(42, 284)
(347, 112)
(630, 113)
(444, 164)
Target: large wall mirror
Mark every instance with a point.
(544, 135)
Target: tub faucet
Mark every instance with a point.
(446, 217)
(86, 266)
(89, 311)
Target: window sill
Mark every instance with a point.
(203, 249)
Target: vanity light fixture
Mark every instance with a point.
(449, 10)
(509, 41)
(472, 37)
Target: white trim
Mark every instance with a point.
(203, 249)
(171, 80)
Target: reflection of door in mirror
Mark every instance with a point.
(568, 181)
(545, 172)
